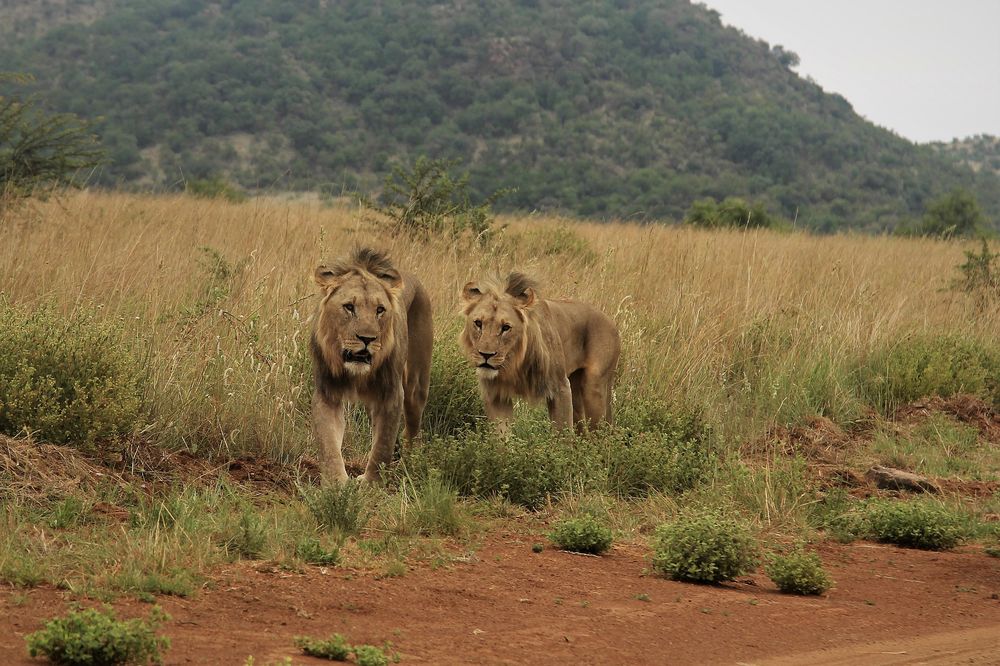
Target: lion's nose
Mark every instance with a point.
(487, 355)
(366, 339)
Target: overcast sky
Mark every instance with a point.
(927, 69)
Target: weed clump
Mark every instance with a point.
(341, 506)
(66, 378)
(923, 524)
(930, 365)
(704, 547)
(312, 551)
(96, 637)
(798, 572)
(582, 535)
(336, 648)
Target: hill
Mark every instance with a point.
(632, 108)
(979, 153)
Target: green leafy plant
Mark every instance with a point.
(369, 655)
(980, 275)
(312, 551)
(216, 187)
(731, 212)
(798, 572)
(924, 524)
(334, 648)
(582, 535)
(342, 506)
(66, 378)
(704, 546)
(96, 637)
(427, 201)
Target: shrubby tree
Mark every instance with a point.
(955, 214)
(731, 212)
(38, 148)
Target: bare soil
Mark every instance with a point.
(509, 605)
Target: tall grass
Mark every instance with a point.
(744, 328)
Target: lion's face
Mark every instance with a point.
(494, 337)
(356, 319)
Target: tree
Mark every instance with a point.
(955, 214)
(39, 148)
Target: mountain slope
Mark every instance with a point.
(601, 108)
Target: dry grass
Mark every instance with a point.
(701, 312)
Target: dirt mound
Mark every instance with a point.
(965, 408)
(35, 471)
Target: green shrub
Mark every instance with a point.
(67, 378)
(454, 403)
(731, 212)
(96, 637)
(582, 535)
(341, 506)
(215, 187)
(930, 365)
(312, 551)
(431, 506)
(247, 538)
(334, 648)
(704, 547)
(369, 655)
(426, 201)
(799, 572)
(640, 462)
(924, 524)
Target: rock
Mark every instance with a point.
(896, 479)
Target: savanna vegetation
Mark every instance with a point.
(599, 109)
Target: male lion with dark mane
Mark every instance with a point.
(371, 343)
(561, 351)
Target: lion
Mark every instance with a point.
(561, 351)
(371, 343)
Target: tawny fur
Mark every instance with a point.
(563, 352)
(371, 343)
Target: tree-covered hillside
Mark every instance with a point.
(625, 108)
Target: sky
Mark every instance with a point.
(927, 69)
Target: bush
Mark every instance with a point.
(582, 535)
(432, 507)
(731, 212)
(954, 214)
(704, 547)
(930, 365)
(426, 201)
(798, 572)
(369, 655)
(639, 462)
(924, 524)
(980, 275)
(312, 551)
(454, 403)
(334, 648)
(216, 187)
(66, 378)
(247, 538)
(342, 506)
(96, 637)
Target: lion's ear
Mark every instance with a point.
(471, 292)
(391, 278)
(526, 298)
(326, 277)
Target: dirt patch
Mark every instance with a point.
(508, 605)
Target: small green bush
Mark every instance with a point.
(97, 638)
(704, 547)
(920, 366)
(312, 551)
(341, 506)
(247, 538)
(67, 378)
(215, 187)
(369, 655)
(432, 507)
(582, 535)
(454, 403)
(731, 212)
(334, 648)
(924, 524)
(799, 572)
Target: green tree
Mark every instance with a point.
(38, 148)
(955, 214)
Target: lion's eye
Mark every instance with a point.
(349, 307)
(478, 323)
(379, 310)
(505, 328)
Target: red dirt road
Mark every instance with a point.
(508, 605)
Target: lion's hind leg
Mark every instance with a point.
(597, 398)
(579, 414)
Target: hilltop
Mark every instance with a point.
(628, 109)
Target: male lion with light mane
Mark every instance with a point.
(562, 351)
(371, 343)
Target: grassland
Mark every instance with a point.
(735, 343)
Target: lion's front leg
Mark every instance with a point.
(561, 406)
(385, 415)
(329, 423)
